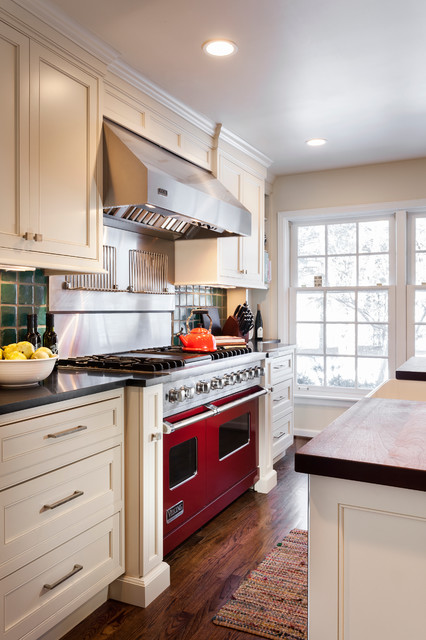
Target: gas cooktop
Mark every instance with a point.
(154, 360)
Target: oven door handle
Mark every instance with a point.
(170, 427)
(236, 403)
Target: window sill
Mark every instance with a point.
(323, 400)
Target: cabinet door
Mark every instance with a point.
(252, 246)
(64, 130)
(230, 258)
(14, 140)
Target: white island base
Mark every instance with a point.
(367, 561)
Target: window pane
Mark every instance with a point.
(373, 339)
(373, 236)
(341, 271)
(340, 306)
(420, 306)
(341, 238)
(373, 270)
(420, 340)
(340, 339)
(310, 370)
(311, 240)
(309, 338)
(340, 372)
(310, 306)
(420, 234)
(372, 306)
(420, 268)
(308, 268)
(372, 372)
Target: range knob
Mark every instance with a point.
(244, 375)
(230, 378)
(260, 371)
(239, 376)
(189, 392)
(203, 386)
(251, 373)
(217, 383)
(177, 395)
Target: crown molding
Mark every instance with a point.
(238, 143)
(54, 17)
(137, 80)
(44, 10)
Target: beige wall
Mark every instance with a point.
(353, 186)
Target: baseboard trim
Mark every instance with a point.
(266, 483)
(140, 592)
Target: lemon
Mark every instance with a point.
(46, 350)
(15, 355)
(39, 354)
(26, 348)
(10, 347)
(1, 354)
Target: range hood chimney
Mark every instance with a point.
(151, 190)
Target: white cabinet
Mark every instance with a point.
(49, 134)
(280, 373)
(235, 261)
(61, 510)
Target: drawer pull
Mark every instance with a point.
(279, 435)
(76, 569)
(73, 496)
(279, 399)
(67, 432)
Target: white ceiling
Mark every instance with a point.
(353, 72)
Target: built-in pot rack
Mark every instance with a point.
(147, 274)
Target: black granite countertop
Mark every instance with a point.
(65, 385)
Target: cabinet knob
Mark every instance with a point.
(28, 235)
(38, 237)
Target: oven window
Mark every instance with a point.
(182, 462)
(233, 435)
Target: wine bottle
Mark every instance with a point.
(258, 325)
(50, 339)
(32, 334)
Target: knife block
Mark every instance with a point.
(231, 328)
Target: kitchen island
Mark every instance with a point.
(367, 518)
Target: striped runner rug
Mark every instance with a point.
(272, 602)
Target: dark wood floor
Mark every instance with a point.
(208, 567)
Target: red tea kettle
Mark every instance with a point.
(199, 339)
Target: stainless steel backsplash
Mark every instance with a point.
(89, 322)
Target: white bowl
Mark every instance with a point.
(24, 373)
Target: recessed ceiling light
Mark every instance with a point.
(220, 47)
(316, 142)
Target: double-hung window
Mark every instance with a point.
(342, 303)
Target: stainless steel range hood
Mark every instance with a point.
(149, 189)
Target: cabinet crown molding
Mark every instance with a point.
(44, 10)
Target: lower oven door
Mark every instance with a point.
(231, 445)
(209, 459)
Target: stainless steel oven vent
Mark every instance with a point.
(97, 281)
(151, 189)
(147, 272)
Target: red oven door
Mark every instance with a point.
(231, 445)
(184, 471)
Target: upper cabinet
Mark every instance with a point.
(236, 262)
(51, 213)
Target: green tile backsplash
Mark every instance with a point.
(21, 292)
(191, 296)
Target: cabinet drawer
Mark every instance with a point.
(282, 397)
(283, 426)
(34, 445)
(35, 598)
(49, 510)
(281, 367)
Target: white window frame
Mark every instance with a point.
(412, 287)
(401, 342)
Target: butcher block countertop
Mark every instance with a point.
(413, 369)
(381, 441)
